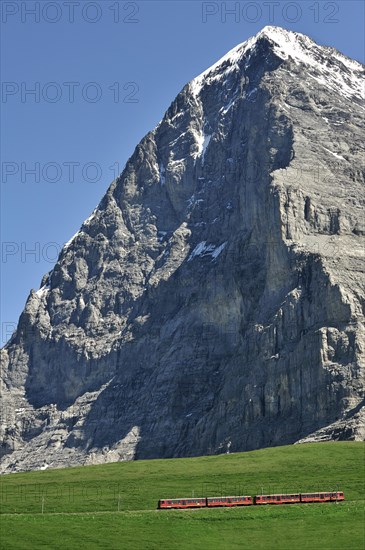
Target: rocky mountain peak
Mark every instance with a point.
(332, 68)
(214, 299)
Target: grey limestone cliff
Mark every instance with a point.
(214, 300)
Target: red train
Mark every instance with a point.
(211, 502)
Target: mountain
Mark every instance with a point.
(214, 300)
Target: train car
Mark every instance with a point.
(277, 499)
(322, 497)
(182, 503)
(229, 501)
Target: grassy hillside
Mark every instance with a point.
(114, 505)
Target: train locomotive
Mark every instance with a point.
(213, 502)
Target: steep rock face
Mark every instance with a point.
(214, 300)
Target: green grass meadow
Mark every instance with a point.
(113, 506)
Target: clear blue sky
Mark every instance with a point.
(152, 48)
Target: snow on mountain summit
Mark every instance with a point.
(324, 64)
